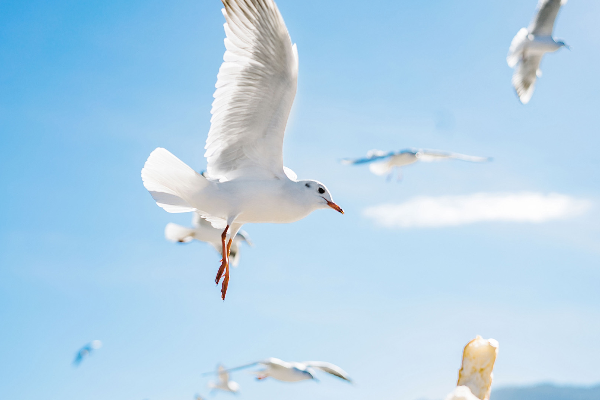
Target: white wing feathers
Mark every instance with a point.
(525, 76)
(256, 86)
(431, 155)
(329, 368)
(516, 48)
(543, 22)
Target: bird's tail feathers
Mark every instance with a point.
(178, 233)
(514, 52)
(170, 181)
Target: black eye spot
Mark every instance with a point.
(307, 185)
(321, 190)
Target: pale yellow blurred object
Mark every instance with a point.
(477, 365)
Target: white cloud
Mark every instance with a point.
(426, 211)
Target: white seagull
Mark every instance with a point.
(85, 351)
(292, 371)
(204, 231)
(529, 46)
(245, 181)
(382, 163)
(224, 384)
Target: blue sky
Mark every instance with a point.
(88, 90)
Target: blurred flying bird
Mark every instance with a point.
(292, 371)
(85, 351)
(204, 231)
(382, 163)
(529, 46)
(245, 181)
(223, 384)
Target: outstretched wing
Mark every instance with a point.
(329, 368)
(256, 86)
(433, 155)
(78, 358)
(543, 22)
(373, 155)
(243, 235)
(218, 372)
(525, 75)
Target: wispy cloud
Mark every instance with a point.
(479, 207)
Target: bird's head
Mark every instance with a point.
(563, 44)
(318, 194)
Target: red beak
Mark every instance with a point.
(335, 206)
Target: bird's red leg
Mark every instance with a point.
(226, 279)
(225, 259)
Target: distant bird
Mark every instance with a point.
(85, 351)
(224, 384)
(292, 371)
(529, 46)
(475, 375)
(204, 231)
(382, 163)
(246, 181)
(198, 397)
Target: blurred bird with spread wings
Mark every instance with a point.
(384, 163)
(291, 371)
(529, 46)
(85, 351)
(224, 383)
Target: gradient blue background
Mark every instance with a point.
(89, 89)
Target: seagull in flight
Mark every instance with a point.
(203, 231)
(85, 351)
(382, 163)
(292, 371)
(224, 384)
(245, 180)
(529, 46)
